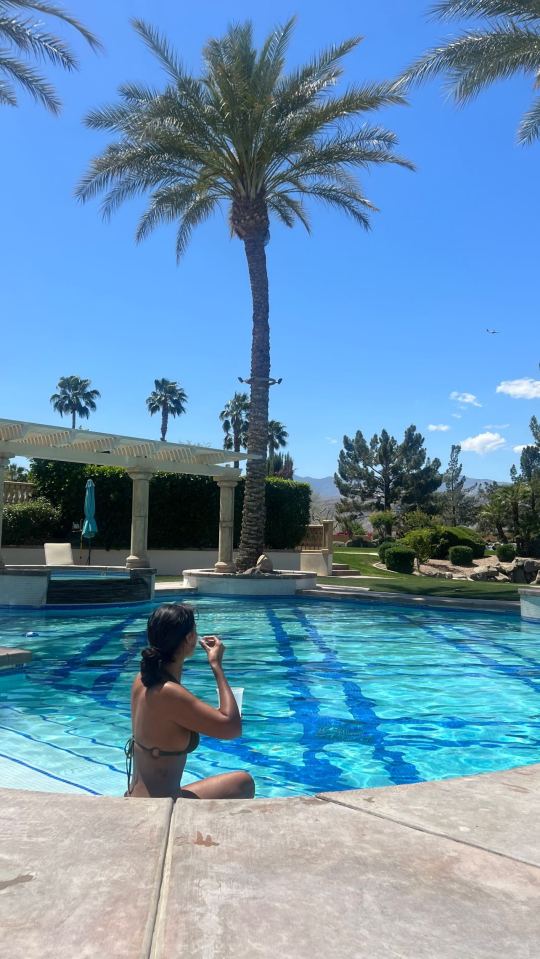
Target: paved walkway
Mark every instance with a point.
(442, 870)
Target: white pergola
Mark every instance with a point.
(141, 458)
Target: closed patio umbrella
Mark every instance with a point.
(89, 529)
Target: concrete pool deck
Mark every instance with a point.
(438, 870)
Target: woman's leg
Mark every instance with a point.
(238, 785)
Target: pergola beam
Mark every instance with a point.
(141, 458)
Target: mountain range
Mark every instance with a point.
(325, 487)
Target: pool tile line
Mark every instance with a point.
(49, 775)
(63, 749)
(362, 709)
(317, 768)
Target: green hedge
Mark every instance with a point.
(461, 555)
(385, 545)
(506, 552)
(183, 511)
(30, 524)
(444, 537)
(400, 559)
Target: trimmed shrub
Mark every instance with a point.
(31, 523)
(385, 545)
(447, 536)
(506, 552)
(400, 559)
(183, 510)
(421, 541)
(461, 555)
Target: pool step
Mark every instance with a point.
(342, 569)
(75, 592)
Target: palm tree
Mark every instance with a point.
(507, 45)
(169, 399)
(277, 438)
(257, 139)
(74, 398)
(235, 420)
(22, 36)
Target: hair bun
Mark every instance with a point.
(151, 654)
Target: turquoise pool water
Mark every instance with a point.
(338, 695)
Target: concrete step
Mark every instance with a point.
(345, 571)
(337, 566)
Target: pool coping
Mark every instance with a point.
(445, 868)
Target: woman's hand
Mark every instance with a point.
(213, 648)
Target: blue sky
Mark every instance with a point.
(368, 330)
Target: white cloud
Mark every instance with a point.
(438, 428)
(457, 416)
(497, 426)
(482, 443)
(525, 389)
(468, 398)
(519, 449)
(330, 439)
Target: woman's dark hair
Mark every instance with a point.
(167, 629)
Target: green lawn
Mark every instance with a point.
(364, 559)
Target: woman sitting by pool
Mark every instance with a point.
(167, 719)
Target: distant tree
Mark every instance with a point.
(385, 474)
(23, 37)
(17, 474)
(167, 398)
(383, 523)
(509, 44)
(277, 437)
(284, 465)
(454, 497)
(74, 398)
(493, 516)
(235, 421)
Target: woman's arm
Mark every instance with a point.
(192, 713)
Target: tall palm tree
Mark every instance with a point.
(74, 398)
(260, 140)
(277, 439)
(507, 45)
(235, 421)
(169, 399)
(22, 37)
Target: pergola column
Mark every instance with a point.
(139, 520)
(226, 524)
(4, 463)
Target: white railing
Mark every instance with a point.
(16, 491)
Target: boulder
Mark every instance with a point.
(516, 571)
(264, 563)
(484, 573)
(532, 568)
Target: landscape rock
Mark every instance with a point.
(264, 563)
(531, 567)
(484, 574)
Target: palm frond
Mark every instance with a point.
(24, 35)
(53, 10)
(288, 209)
(160, 47)
(529, 128)
(526, 10)
(32, 82)
(475, 60)
(199, 210)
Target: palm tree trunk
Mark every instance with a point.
(164, 422)
(254, 512)
(236, 446)
(73, 419)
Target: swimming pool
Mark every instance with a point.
(338, 695)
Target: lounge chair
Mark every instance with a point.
(58, 554)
